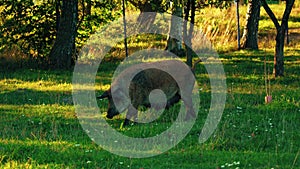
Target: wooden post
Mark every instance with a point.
(238, 24)
(125, 30)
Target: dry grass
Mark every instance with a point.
(220, 26)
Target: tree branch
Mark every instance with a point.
(270, 13)
(287, 11)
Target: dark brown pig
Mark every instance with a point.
(132, 87)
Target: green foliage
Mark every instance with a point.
(103, 12)
(29, 26)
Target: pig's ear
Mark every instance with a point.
(104, 95)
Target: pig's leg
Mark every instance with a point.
(175, 99)
(131, 114)
(188, 102)
(189, 108)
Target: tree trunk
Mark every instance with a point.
(287, 33)
(174, 44)
(57, 13)
(145, 19)
(249, 39)
(88, 9)
(191, 6)
(238, 24)
(278, 69)
(61, 55)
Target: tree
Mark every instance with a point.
(187, 33)
(88, 8)
(189, 15)
(174, 44)
(57, 12)
(28, 27)
(146, 20)
(249, 38)
(62, 53)
(31, 27)
(281, 29)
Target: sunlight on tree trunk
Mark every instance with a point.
(174, 44)
(249, 38)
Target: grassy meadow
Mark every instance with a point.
(39, 127)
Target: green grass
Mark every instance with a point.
(39, 128)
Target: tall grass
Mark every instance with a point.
(220, 26)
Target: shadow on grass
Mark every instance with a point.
(55, 153)
(33, 75)
(41, 125)
(35, 97)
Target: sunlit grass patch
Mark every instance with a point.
(41, 85)
(39, 126)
